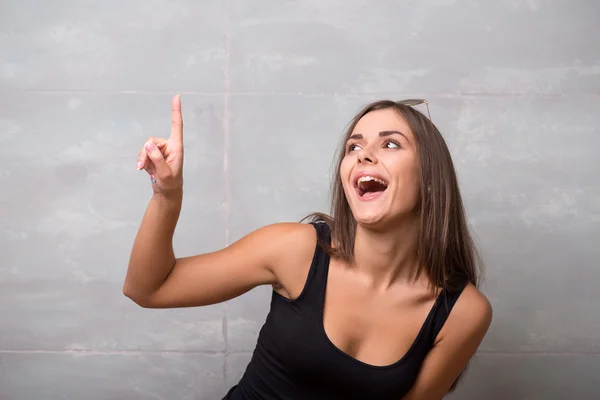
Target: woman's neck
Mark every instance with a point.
(387, 257)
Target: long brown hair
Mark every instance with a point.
(445, 249)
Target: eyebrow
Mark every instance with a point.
(381, 134)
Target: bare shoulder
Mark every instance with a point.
(470, 317)
(292, 234)
(288, 239)
(280, 237)
(473, 306)
(287, 243)
(296, 248)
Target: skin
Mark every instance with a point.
(373, 311)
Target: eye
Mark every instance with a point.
(392, 144)
(352, 147)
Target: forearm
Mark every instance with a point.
(152, 256)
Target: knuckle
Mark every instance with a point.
(163, 175)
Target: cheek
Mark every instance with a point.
(409, 183)
(345, 170)
(414, 187)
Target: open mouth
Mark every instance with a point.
(368, 185)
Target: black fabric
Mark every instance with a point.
(294, 359)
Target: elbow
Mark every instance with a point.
(131, 294)
(136, 296)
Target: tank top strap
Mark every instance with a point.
(317, 276)
(442, 308)
(323, 233)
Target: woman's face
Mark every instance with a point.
(380, 170)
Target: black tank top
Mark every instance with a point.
(294, 358)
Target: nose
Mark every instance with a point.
(366, 156)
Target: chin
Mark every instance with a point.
(379, 216)
(370, 218)
(369, 211)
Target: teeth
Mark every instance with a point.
(370, 178)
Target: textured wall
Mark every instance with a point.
(267, 88)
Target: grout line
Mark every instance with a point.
(226, 194)
(228, 352)
(112, 91)
(226, 116)
(120, 352)
(538, 353)
(228, 93)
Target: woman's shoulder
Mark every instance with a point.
(282, 233)
(289, 241)
(473, 301)
(294, 246)
(471, 315)
(290, 234)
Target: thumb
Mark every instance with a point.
(162, 169)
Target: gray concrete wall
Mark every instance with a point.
(267, 89)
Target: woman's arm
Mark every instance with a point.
(157, 279)
(256, 259)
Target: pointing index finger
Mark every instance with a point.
(177, 120)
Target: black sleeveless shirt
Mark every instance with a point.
(294, 358)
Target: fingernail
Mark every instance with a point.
(138, 166)
(149, 146)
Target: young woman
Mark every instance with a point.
(377, 301)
